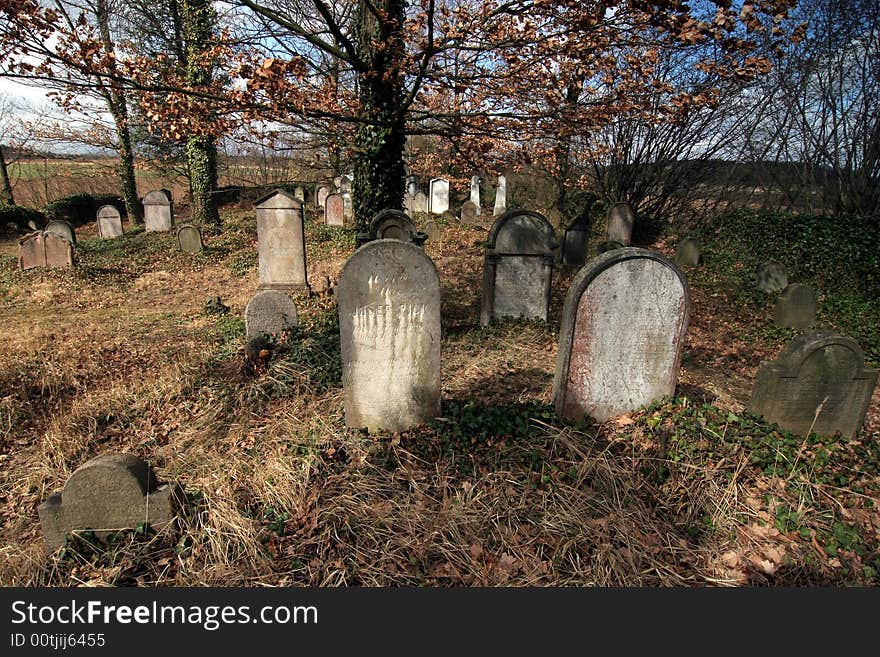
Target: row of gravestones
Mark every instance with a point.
(437, 199)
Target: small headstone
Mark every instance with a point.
(189, 239)
(518, 267)
(623, 327)
(347, 208)
(771, 277)
(619, 223)
(158, 212)
(62, 229)
(321, 196)
(109, 222)
(412, 185)
(32, 251)
(32, 224)
(500, 197)
(299, 193)
(106, 494)
(688, 253)
(59, 251)
(796, 307)
(269, 313)
(475, 193)
(575, 239)
(819, 382)
(432, 230)
(438, 201)
(420, 202)
(389, 321)
(281, 242)
(392, 225)
(334, 210)
(345, 184)
(469, 213)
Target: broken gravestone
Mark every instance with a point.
(269, 313)
(106, 494)
(796, 307)
(189, 239)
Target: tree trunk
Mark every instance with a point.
(379, 173)
(6, 197)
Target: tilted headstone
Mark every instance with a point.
(518, 267)
(500, 197)
(796, 307)
(475, 193)
(62, 229)
(623, 327)
(281, 242)
(468, 213)
(59, 251)
(771, 277)
(32, 251)
(158, 211)
(688, 253)
(619, 223)
(106, 494)
(109, 222)
(269, 313)
(575, 240)
(334, 210)
(189, 239)
(438, 196)
(389, 321)
(819, 381)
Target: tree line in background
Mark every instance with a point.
(632, 100)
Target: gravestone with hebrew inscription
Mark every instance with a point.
(389, 321)
(796, 307)
(771, 277)
(109, 222)
(575, 240)
(688, 253)
(108, 493)
(334, 210)
(269, 313)
(189, 239)
(619, 223)
(438, 196)
(62, 229)
(518, 267)
(623, 327)
(281, 242)
(818, 383)
(158, 211)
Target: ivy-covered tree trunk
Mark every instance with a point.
(201, 150)
(380, 138)
(6, 197)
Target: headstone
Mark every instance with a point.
(575, 239)
(412, 185)
(819, 382)
(518, 267)
(158, 213)
(688, 253)
(109, 493)
(62, 229)
(623, 327)
(500, 197)
(468, 213)
(59, 251)
(619, 223)
(420, 202)
(475, 193)
(281, 242)
(321, 196)
(347, 208)
(605, 247)
(393, 225)
(269, 313)
(432, 230)
(389, 320)
(438, 196)
(189, 239)
(771, 277)
(299, 193)
(32, 251)
(109, 222)
(344, 184)
(796, 307)
(334, 210)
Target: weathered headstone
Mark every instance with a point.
(389, 320)
(819, 382)
(392, 225)
(189, 239)
(438, 196)
(619, 223)
(269, 313)
(158, 212)
(344, 184)
(281, 242)
(321, 196)
(62, 229)
(109, 222)
(32, 251)
(347, 208)
(518, 267)
(432, 230)
(688, 253)
(475, 194)
(59, 251)
(623, 327)
(420, 202)
(299, 193)
(412, 185)
(796, 307)
(500, 197)
(575, 239)
(106, 494)
(468, 213)
(334, 210)
(771, 277)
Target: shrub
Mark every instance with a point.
(80, 209)
(15, 218)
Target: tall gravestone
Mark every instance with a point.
(796, 307)
(389, 322)
(771, 277)
(189, 239)
(269, 313)
(109, 222)
(281, 242)
(575, 241)
(619, 223)
(518, 267)
(475, 194)
(438, 196)
(334, 210)
(500, 197)
(623, 327)
(158, 211)
(107, 493)
(62, 229)
(688, 252)
(347, 208)
(819, 381)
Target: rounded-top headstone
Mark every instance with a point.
(575, 238)
(157, 197)
(189, 239)
(619, 223)
(469, 213)
(522, 232)
(269, 313)
(771, 277)
(62, 229)
(393, 225)
(687, 252)
(796, 307)
(109, 222)
(109, 479)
